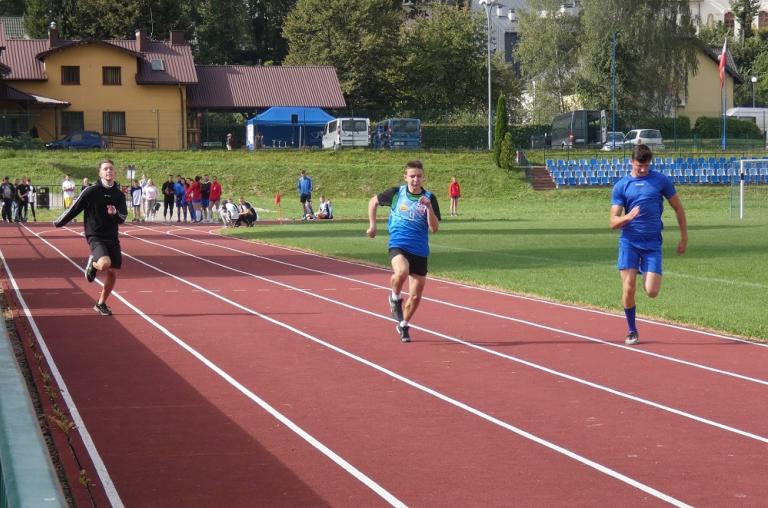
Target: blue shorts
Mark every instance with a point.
(204, 202)
(643, 260)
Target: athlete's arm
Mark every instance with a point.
(372, 205)
(617, 220)
(677, 205)
(122, 209)
(432, 222)
(77, 207)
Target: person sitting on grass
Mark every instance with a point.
(247, 214)
(326, 209)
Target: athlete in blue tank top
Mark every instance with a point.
(640, 198)
(414, 213)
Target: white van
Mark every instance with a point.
(343, 132)
(757, 115)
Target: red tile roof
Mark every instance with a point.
(25, 59)
(248, 87)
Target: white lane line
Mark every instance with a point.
(486, 290)
(349, 468)
(90, 446)
(493, 314)
(520, 432)
(521, 361)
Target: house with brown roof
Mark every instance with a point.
(140, 92)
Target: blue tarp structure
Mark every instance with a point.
(291, 127)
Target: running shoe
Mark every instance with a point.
(90, 270)
(405, 336)
(396, 307)
(632, 339)
(102, 309)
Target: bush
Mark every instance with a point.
(454, 136)
(19, 142)
(507, 152)
(710, 127)
(677, 127)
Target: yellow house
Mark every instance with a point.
(132, 91)
(702, 95)
(140, 93)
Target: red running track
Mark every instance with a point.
(241, 374)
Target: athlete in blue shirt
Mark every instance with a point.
(414, 213)
(640, 197)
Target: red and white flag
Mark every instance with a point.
(721, 66)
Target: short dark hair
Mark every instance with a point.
(415, 164)
(642, 154)
(105, 161)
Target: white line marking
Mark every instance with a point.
(527, 363)
(552, 446)
(486, 290)
(349, 468)
(486, 313)
(90, 446)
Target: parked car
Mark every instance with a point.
(614, 141)
(650, 137)
(78, 140)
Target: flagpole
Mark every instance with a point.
(724, 95)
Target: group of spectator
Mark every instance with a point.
(305, 188)
(233, 215)
(18, 198)
(194, 199)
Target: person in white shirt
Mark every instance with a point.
(68, 189)
(149, 193)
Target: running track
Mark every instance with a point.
(240, 374)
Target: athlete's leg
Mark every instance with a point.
(628, 287)
(652, 284)
(416, 285)
(109, 283)
(400, 269)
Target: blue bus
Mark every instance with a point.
(398, 133)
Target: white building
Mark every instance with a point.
(709, 12)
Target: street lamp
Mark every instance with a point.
(488, 4)
(754, 80)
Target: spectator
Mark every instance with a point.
(22, 200)
(136, 200)
(32, 198)
(326, 209)
(305, 192)
(85, 185)
(150, 193)
(230, 141)
(180, 189)
(454, 192)
(196, 192)
(215, 198)
(68, 190)
(8, 194)
(169, 195)
(247, 214)
(229, 213)
(205, 192)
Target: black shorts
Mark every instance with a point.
(305, 197)
(417, 265)
(101, 247)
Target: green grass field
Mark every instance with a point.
(554, 244)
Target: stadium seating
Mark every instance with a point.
(682, 171)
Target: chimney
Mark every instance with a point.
(142, 42)
(500, 11)
(53, 35)
(512, 16)
(177, 37)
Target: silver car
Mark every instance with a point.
(650, 137)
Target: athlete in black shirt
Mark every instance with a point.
(103, 206)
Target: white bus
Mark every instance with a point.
(343, 132)
(756, 115)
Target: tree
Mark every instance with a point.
(358, 37)
(11, 7)
(266, 19)
(501, 128)
(649, 75)
(745, 11)
(222, 31)
(444, 61)
(548, 53)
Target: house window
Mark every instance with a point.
(729, 21)
(72, 121)
(114, 122)
(157, 64)
(762, 19)
(70, 75)
(111, 75)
